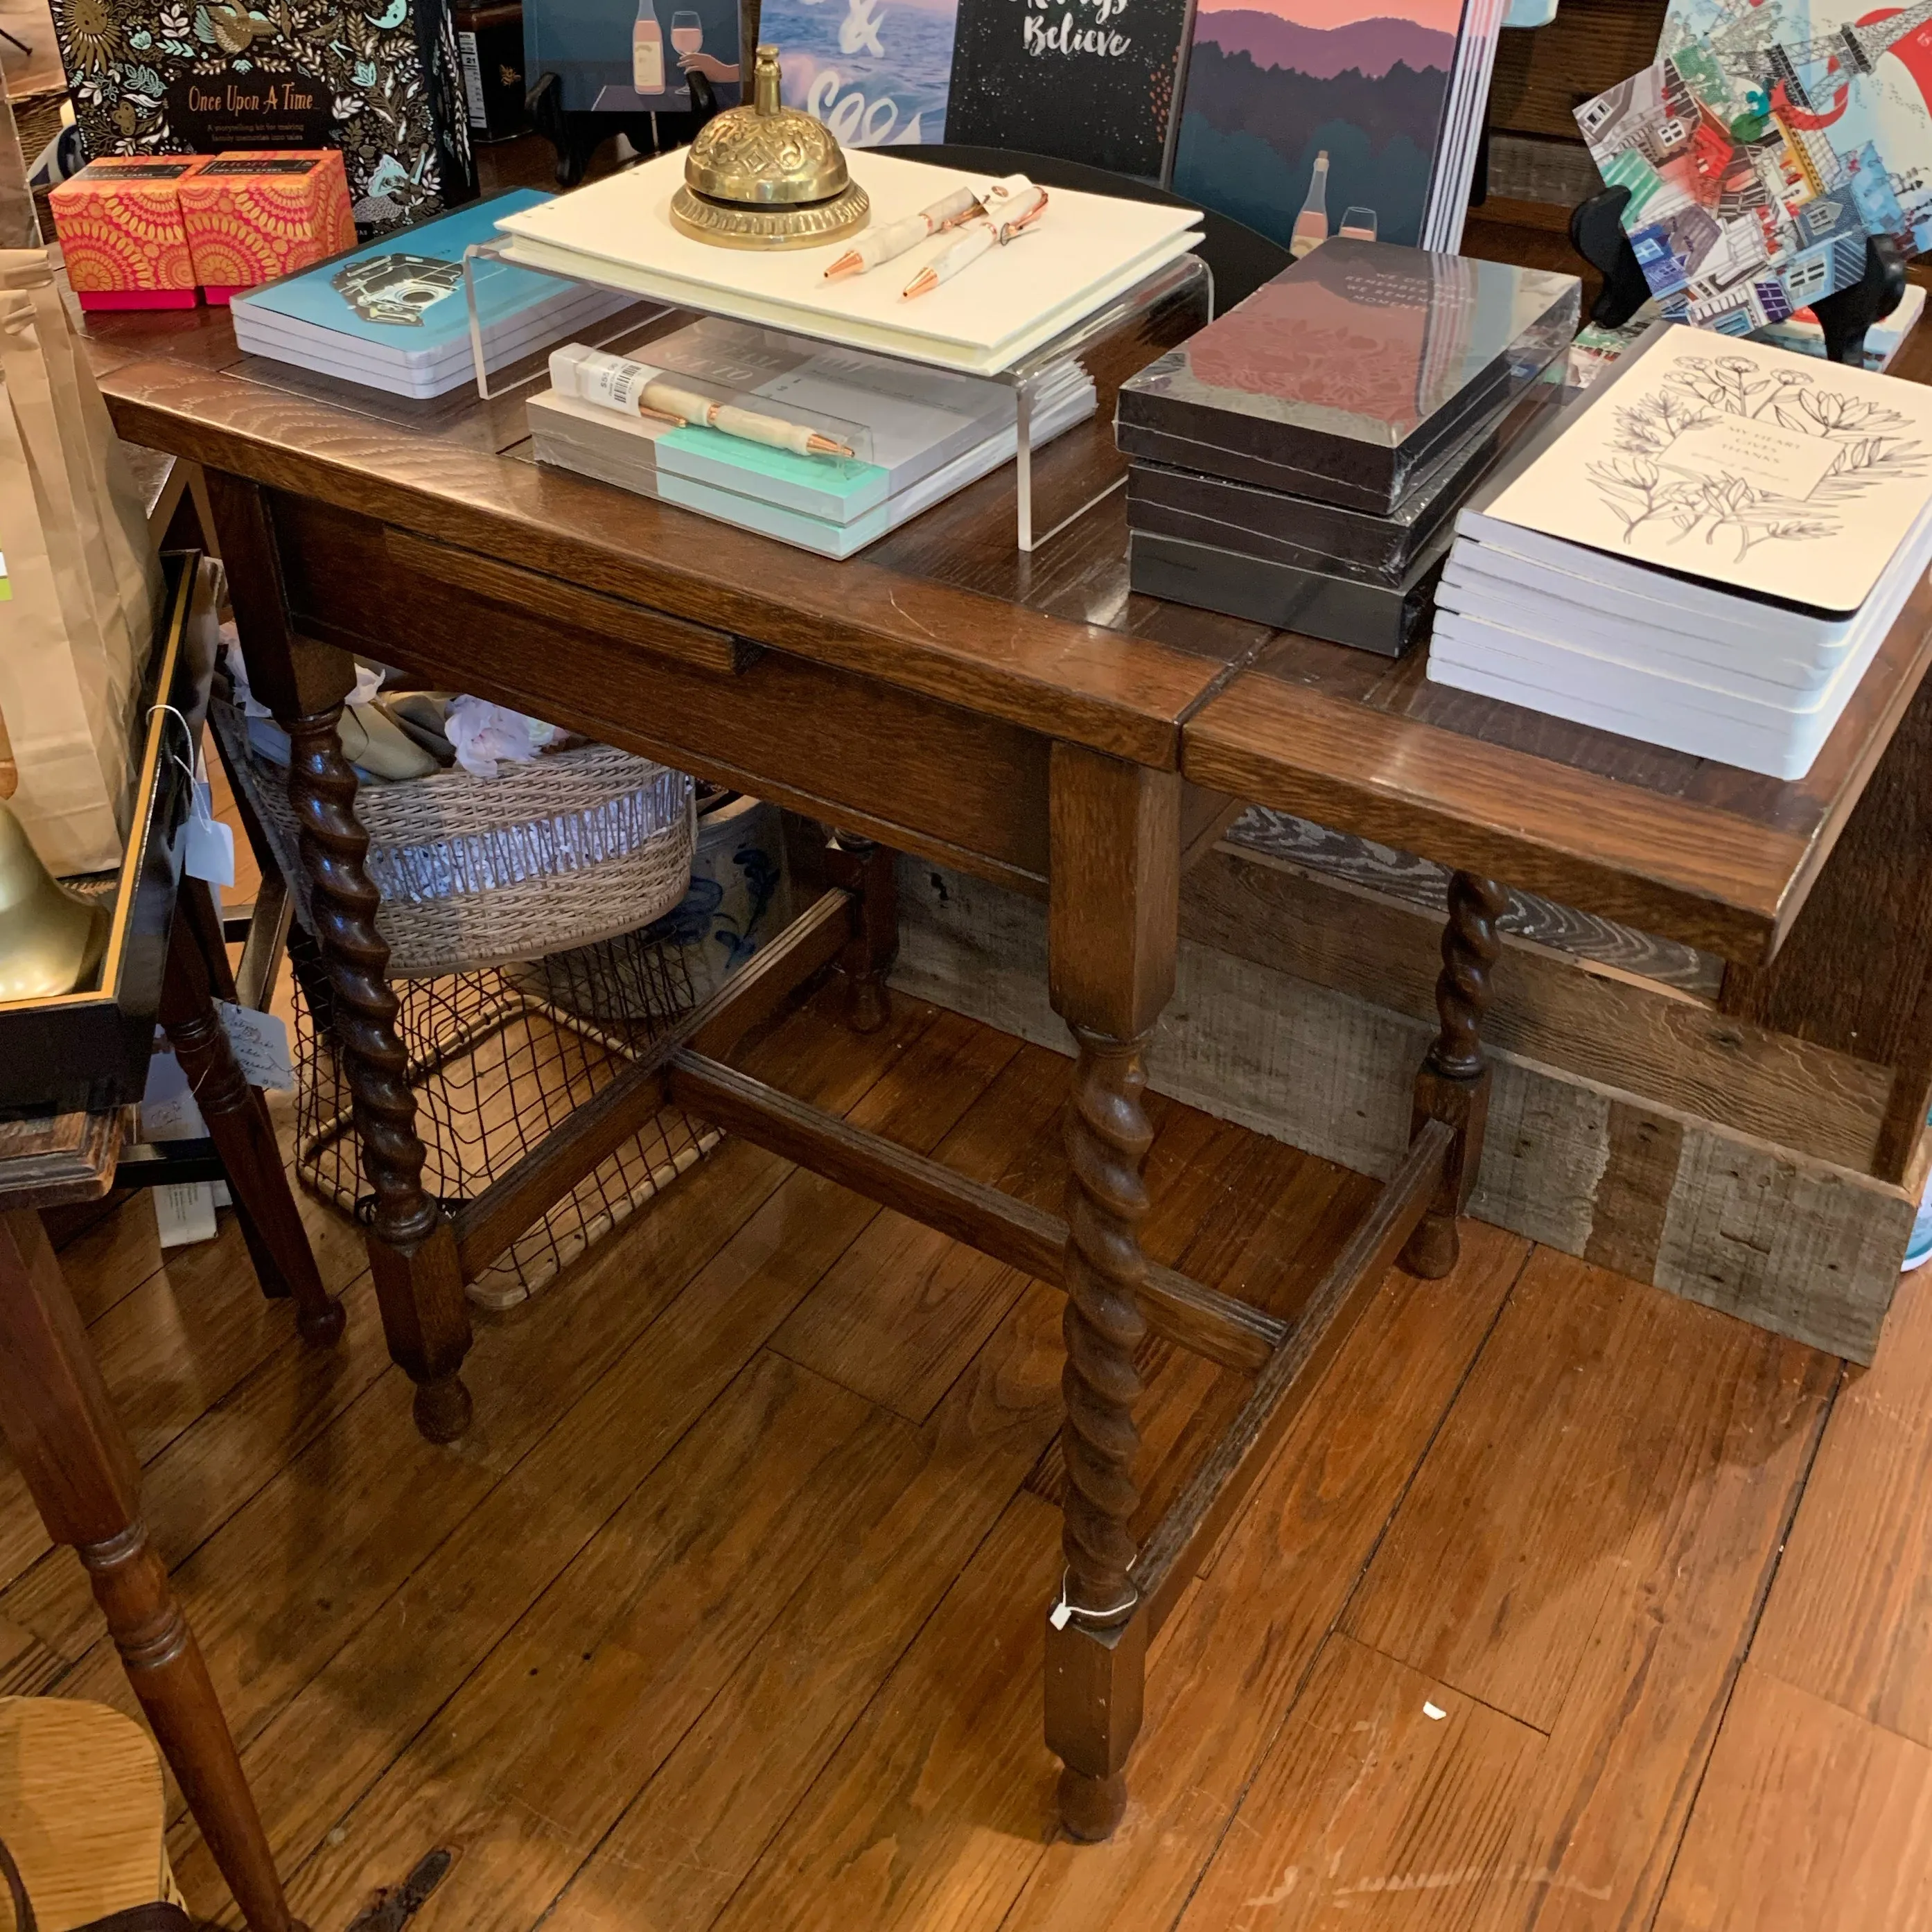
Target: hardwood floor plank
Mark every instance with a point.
(212, 1468)
(525, 1768)
(1593, 1404)
(784, 1618)
(1385, 1795)
(896, 1320)
(1637, 1726)
(295, 1573)
(738, 1250)
(1226, 1667)
(176, 1345)
(1850, 1615)
(112, 1258)
(937, 1803)
(1811, 1820)
(672, 1862)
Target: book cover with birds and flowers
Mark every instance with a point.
(379, 79)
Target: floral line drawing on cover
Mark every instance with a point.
(1641, 485)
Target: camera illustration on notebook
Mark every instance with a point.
(396, 288)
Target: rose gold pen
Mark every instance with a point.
(895, 238)
(1021, 210)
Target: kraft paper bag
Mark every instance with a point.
(128, 549)
(62, 795)
(83, 584)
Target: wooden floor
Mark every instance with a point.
(1568, 1604)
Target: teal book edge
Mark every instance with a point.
(406, 291)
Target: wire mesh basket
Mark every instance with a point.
(530, 919)
(496, 1064)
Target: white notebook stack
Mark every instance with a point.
(1706, 553)
(926, 433)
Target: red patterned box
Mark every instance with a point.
(122, 234)
(252, 217)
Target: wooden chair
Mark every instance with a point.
(82, 1812)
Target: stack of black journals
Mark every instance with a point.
(1300, 461)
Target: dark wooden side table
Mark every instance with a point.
(1023, 719)
(55, 1413)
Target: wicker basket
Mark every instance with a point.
(564, 851)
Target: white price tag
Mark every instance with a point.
(210, 853)
(168, 1109)
(261, 1044)
(185, 1212)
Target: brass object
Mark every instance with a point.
(767, 176)
(51, 940)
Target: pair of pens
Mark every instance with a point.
(1007, 216)
(894, 238)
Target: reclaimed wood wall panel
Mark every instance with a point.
(1600, 1025)
(1785, 1241)
(1544, 74)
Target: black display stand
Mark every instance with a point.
(578, 135)
(1597, 234)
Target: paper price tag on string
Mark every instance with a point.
(210, 850)
(261, 1044)
(207, 845)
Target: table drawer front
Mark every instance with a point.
(926, 777)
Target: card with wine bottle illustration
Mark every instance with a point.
(633, 56)
(1312, 118)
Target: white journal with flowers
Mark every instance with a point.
(1707, 553)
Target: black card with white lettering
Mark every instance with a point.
(1086, 80)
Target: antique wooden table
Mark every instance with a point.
(1023, 718)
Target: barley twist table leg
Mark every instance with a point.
(1453, 1085)
(1108, 1136)
(1113, 926)
(1107, 1139)
(412, 1247)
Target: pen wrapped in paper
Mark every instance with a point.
(640, 389)
(894, 238)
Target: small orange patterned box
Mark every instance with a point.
(251, 218)
(122, 234)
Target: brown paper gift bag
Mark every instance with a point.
(83, 580)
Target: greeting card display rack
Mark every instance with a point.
(1114, 341)
(1597, 233)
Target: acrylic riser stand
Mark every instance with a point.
(1597, 233)
(1115, 342)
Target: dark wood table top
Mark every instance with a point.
(1056, 643)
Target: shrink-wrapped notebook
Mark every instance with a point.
(1350, 374)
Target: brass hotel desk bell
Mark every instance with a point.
(765, 175)
(51, 940)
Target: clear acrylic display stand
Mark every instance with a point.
(1115, 342)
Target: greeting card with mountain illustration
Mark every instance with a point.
(1306, 118)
